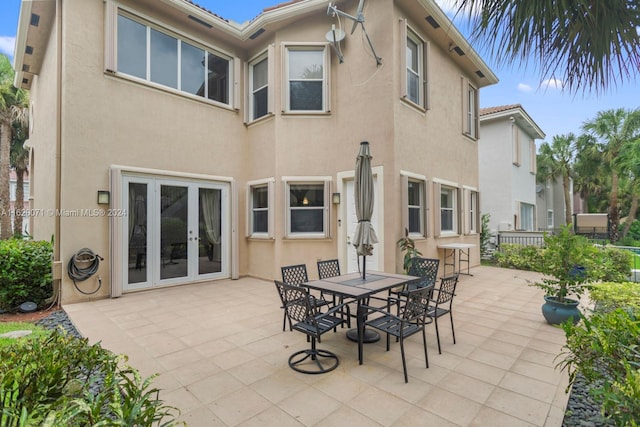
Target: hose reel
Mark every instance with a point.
(82, 266)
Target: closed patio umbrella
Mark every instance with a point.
(365, 235)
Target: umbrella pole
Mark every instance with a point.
(364, 266)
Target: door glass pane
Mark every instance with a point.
(132, 47)
(173, 231)
(164, 59)
(210, 231)
(137, 259)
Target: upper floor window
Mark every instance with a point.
(414, 67)
(306, 74)
(156, 56)
(307, 208)
(259, 87)
(470, 102)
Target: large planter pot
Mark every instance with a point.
(556, 312)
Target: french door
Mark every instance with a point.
(177, 231)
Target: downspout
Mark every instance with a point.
(57, 261)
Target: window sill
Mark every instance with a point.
(169, 90)
(469, 137)
(448, 234)
(417, 107)
(307, 237)
(306, 113)
(260, 237)
(260, 119)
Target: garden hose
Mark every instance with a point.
(83, 265)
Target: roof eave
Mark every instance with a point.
(536, 133)
(21, 44)
(459, 40)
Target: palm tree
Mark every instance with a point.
(629, 162)
(589, 44)
(612, 130)
(20, 163)
(555, 160)
(590, 179)
(12, 104)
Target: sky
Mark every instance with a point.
(556, 112)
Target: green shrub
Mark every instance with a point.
(25, 272)
(610, 295)
(614, 264)
(519, 256)
(604, 349)
(51, 381)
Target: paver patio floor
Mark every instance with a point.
(222, 358)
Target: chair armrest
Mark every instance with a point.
(371, 309)
(334, 309)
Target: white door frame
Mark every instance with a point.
(378, 251)
(119, 224)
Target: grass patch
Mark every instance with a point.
(20, 326)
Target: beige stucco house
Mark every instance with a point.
(228, 149)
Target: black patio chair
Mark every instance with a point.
(441, 303)
(306, 318)
(426, 269)
(410, 320)
(331, 268)
(297, 275)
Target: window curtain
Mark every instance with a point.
(210, 205)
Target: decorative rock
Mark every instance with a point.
(15, 334)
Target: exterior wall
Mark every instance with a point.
(108, 120)
(42, 139)
(496, 174)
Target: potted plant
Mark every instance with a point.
(569, 264)
(408, 246)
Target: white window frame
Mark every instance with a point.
(471, 210)
(438, 187)
(267, 55)
(470, 109)
(325, 181)
(515, 139)
(532, 157)
(423, 49)
(269, 184)
(406, 178)
(524, 219)
(326, 73)
(113, 11)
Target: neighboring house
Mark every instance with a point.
(550, 204)
(228, 149)
(507, 159)
(14, 206)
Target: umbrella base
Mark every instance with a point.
(369, 336)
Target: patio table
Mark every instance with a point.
(450, 250)
(353, 286)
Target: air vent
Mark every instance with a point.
(200, 21)
(28, 50)
(432, 21)
(480, 74)
(35, 19)
(459, 51)
(256, 34)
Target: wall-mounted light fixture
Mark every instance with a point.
(335, 198)
(104, 197)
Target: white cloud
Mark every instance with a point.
(552, 83)
(522, 87)
(452, 8)
(7, 44)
